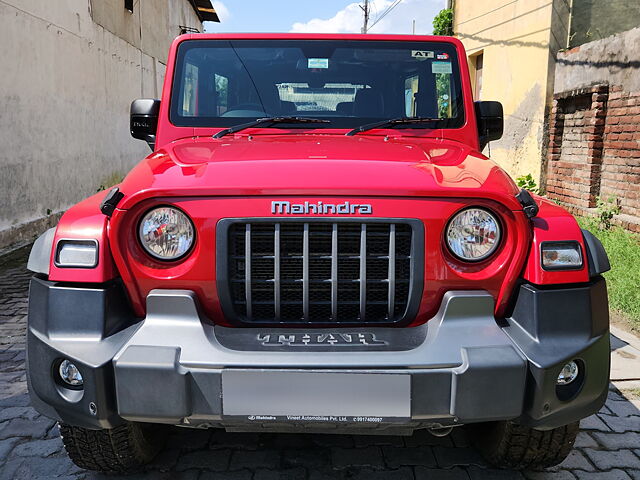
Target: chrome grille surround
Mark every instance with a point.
(320, 271)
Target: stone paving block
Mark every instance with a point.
(623, 408)
(21, 400)
(344, 441)
(615, 441)
(268, 459)
(243, 441)
(451, 457)
(635, 474)
(611, 475)
(20, 427)
(594, 423)
(39, 448)
(584, 439)
(309, 458)
(373, 440)
(576, 460)
(214, 460)
(298, 473)
(622, 424)
(423, 473)
(606, 460)
(357, 457)
(403, 473)
(6, 446)
(40, 468)
(476, 473)
(409, 456)
(559, 475)
(239, 475)
(14, 412)
(423, 437)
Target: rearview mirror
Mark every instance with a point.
(144, 120)
(490, 121)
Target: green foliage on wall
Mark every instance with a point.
(443, 22)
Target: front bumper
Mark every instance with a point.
(175, 367)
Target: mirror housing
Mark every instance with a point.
(490, 121)
(144, 120)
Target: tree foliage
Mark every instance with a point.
(443, 22)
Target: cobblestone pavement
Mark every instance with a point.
(607, 448)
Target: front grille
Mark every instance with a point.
(318, 272)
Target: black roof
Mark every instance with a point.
(205, 11)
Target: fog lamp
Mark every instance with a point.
(561, 256)
(70, 374)
(568, 373)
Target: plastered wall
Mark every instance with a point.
(67, 81)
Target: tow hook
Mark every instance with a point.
(440, 431)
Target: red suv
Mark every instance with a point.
(317, 244)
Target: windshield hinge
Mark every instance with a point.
(529, 205)
(110, 202)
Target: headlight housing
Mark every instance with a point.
(166, 233)
(473, 234)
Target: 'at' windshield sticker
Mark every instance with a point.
(422, 54)
(318, 63)
(441, 67)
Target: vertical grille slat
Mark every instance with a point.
(305, 273)
(334, 272)
(363, 272)
(247, 268)
(290, 272)
(392, 269)
(276, 271)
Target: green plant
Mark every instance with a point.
(527, 182)
(443, 22)
(607, 208)
(623, 248)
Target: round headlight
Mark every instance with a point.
(166, 233)
(473, 234)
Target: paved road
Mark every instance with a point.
(30, 447)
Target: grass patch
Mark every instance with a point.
(623, 281)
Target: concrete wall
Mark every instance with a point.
(597, 19)
(70, 72)
(518, 40)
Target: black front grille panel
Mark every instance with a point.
(319, 272)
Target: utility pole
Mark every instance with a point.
(365, 9)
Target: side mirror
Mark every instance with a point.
(144, 120)
(490, 121)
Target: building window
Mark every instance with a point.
(128, 4)
(478, 64)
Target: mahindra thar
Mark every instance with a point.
(317, 244)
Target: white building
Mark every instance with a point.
(70, 69)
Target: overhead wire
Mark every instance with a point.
(385, 13)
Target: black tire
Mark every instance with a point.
(124, 449)
(513, 446)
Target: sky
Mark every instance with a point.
(322, 16)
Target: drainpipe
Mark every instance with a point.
(569, 23)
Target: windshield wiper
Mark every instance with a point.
(267, 121)
(391, 122)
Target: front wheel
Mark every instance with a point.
(120, 450)
(509, 445)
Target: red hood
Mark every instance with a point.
(319, 165)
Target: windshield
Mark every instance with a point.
(221, 83)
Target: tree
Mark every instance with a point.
(443, 22)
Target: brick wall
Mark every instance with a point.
(594, 150)
(620, 175)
